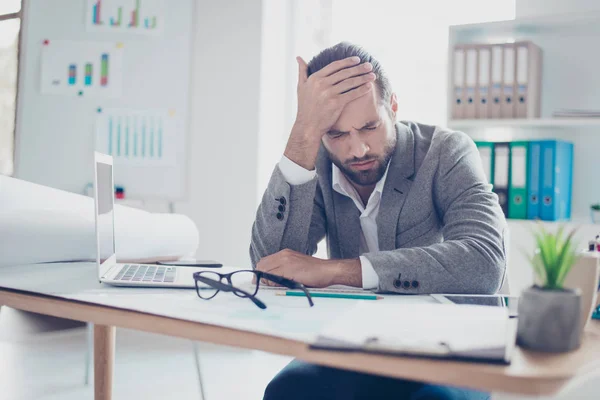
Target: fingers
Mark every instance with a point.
(349, 73)
(337, 66)
(356, 93)
(302, 70)
(353, 83)
(270, 262)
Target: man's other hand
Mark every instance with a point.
(311, 271)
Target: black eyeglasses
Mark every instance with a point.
(215, 282)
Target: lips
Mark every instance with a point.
(363, 165)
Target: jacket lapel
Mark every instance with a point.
(396, 188)
(347, 220)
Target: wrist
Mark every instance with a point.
(345, 272)
(303, 146)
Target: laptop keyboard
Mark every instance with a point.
(146, 273)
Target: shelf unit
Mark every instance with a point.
(524, 123)
(570, 80)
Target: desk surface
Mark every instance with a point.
(72, 291)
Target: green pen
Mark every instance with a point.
(333, 295)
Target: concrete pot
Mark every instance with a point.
(549, 320)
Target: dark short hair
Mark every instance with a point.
(343, 50)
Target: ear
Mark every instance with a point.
(394, 105)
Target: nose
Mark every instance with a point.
(357, 147)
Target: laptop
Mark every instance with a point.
(131, 274)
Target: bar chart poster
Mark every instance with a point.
(135, 137)
(135, 16)
(80, 68)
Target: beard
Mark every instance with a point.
(372, 175)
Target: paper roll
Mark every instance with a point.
(42, 224)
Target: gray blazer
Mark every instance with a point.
(440, 227)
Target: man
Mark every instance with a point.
(405, 207)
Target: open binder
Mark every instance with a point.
(446, 331)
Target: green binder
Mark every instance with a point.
(518, 180)
(486, 152)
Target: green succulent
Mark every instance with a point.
(554, 257)
(595, 207)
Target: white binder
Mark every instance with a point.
(458, 72)
(470, 82)
(508, 81)
(495, 104)
(529, 80)
(484, 56)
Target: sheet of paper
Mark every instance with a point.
(81, 68)
(142, 17)
(137, 137)
(287, 317)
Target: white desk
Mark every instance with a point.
(72, 291)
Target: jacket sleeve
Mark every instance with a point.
(288, 217)
(472, 257)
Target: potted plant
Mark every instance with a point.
(549, 314)
(595, 212)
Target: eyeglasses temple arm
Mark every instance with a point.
(287, 282)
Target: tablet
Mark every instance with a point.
(510, 302)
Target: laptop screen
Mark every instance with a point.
(105, 196)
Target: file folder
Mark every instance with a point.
(557, 177)
(529, 80)
(495, 105)
(470, 82)
(459, 82)
(508, 81)
(533, 187)
(486, 152)
(483, 81)
(444, 331)
(518, 177)
(501, 174)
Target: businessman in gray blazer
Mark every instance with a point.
(405, 208)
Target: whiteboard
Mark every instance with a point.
(64, 110)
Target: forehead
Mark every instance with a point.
(358, 112)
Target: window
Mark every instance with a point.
(10, 25)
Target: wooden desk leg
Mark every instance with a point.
(104, 360)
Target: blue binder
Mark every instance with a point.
(556, 180)
(533, 192)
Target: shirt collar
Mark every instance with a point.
(340, 183)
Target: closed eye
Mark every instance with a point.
(335, 135)
(371, 126)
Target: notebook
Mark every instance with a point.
(466, 332)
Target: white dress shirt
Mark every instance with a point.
(294, 174)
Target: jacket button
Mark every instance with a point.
(415, 284)
(281, 200)
(398, 282)
(281, 208)
(279, 216)
(406, 284)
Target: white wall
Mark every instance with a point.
(533, 8)
(224, 127)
